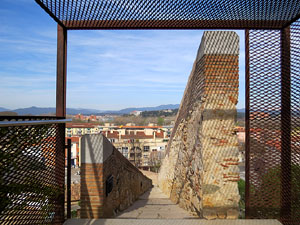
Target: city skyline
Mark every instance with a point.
(107, 70)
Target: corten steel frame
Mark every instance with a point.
(272, 77)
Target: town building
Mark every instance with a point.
(79, 117)
(137, 143)
(143, 146)
(241, 136)
(79, 129)
(92, 118)
(135, 112)
(75, 151)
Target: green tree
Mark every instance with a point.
(242, 186)
(270, 192)
(160, 121)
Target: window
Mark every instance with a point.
(146, 148)
(124, 150)
(112, 140)
(109, 184)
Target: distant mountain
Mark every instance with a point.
(4, 109)
(156, 108)
(51, 110)
(34, 111)
(73, 111)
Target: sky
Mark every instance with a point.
(106, 69)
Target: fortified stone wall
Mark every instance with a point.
(200, 170)
(75, 192)
(109, 182)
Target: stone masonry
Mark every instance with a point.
(109, 182)
(200, 170)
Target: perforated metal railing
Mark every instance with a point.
(273, 123)
(32, 160)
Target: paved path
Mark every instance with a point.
(155, 208)
(154, 205)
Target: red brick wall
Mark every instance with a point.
(92, 191)
(128, 184)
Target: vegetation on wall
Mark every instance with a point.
(242, 188)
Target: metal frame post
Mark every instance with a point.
(61, 71)
(247, 115)
(69, 179)
(285, 126)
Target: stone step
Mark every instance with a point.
(168, 222)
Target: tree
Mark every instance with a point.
(8, 113)
(160, 121)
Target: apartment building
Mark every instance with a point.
(85, 118)
(79, 129)
(137, 143)
(143, 145)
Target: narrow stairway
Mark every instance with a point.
(155, 208)
(154, 205)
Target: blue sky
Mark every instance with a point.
(106, 69)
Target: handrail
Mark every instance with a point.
(29, 117)
(32, 122)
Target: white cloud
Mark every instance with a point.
(105, 68)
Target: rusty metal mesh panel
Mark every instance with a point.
(295, 122)
(32, 162)
(82, 14)
(264, 155)
(274, 125)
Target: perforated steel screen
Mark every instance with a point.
(295, 122)
(265, 117)
(32, 162)
(273, 188)
(125, 14)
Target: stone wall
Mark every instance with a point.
(101, 163)
(200, 170)
(75, 192)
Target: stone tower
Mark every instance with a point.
(200, 170)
